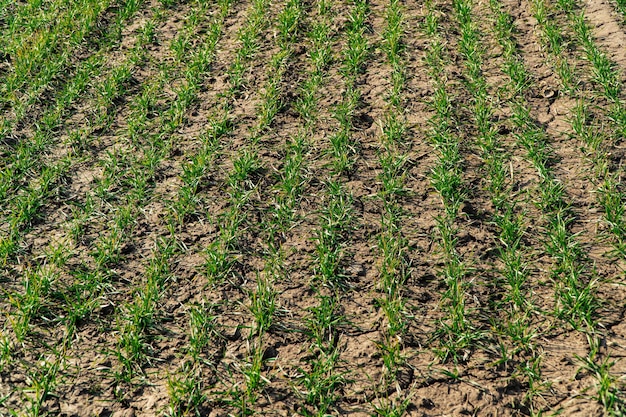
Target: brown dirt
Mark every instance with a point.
(608, 30)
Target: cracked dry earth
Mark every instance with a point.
(111, 303)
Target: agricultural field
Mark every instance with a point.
(312, 207)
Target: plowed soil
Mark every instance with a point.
(91, 378)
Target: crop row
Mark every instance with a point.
(392, 244)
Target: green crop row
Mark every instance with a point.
(321, 382)
(455, 333)
(392, 244)
(600, 140)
